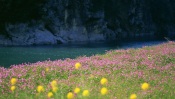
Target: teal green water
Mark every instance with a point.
(17, 55)
(30, 54)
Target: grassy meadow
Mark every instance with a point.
(143, 73)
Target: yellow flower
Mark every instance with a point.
(104, 81)
(77, 65)
(104, 91)
(85, 93)
(70, 95)
(76, 90)
(40, 89)
(54, 89)
(12, 88)
(47, 69)
(133, 96)
(13, 81)
(50, 94)
(145, 86)
(54, 83)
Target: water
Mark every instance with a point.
(30, 54)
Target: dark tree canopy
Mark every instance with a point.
(20, 10)
(130, 15)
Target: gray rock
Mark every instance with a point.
(44, 37)
(67, 21)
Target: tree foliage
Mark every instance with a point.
(20, 10)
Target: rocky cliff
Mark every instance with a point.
(62, 21)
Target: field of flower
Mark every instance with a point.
(143, 73)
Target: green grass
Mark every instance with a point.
(125, 70)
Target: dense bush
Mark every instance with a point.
(133, 16)
(16, 11)
(20, 10)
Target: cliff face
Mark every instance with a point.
(64, 21)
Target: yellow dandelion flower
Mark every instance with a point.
(40, 89)
(85, 93)
(50, 94)
(104, 91)
(54, 83)
(12, 88)
(54, 89)
(76, 90)
(70, 95)
(133, 96)
(77, 65)
(47, 69)
(13, 81)
(145, 86)
(104, 81)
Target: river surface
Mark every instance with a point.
(13, 55)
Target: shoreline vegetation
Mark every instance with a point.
(142, 73)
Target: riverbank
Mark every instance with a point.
(14, 55)
(125, 71)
